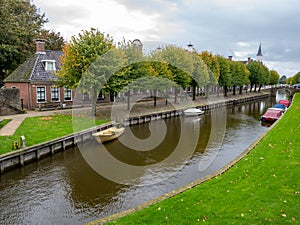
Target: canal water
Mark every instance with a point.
(72, 188)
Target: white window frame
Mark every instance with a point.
(58, 92)
(66, 90)
(37, 94)
(49, 62)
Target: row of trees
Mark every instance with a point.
(92, 62)
(21, 23)
(294, 79)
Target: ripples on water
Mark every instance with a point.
(63, 189)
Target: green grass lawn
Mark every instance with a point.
(262, 188)
(40, 129)
(4, 122)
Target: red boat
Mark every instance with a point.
(272, 115)
(287, 103)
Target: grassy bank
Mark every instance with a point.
(40, 129)
(262, 188)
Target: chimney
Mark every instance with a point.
(40, 46)
(230, 58)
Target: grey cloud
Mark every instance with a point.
(66, 14)
(215, 25)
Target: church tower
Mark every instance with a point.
(259, 54)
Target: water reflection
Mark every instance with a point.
(64, 189)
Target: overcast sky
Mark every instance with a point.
(225, 27)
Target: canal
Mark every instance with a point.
(92, 181)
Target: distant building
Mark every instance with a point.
(259, 55)
(249, 59)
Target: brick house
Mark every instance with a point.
(37, 83)
(36, 80)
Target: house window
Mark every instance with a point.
(49, 65)
(41, 94)
(54, 94)
(68, 94)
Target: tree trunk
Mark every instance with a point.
(233, 90)
(166, 97)
(206, 91)
(111, 96)
(194, 92)
(175, 95)
(155, 97)
(259, 87)
(94, 102)
(218, 90)
(225, 90)
(241, 90)
(128, 100)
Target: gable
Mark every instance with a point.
(40, 72)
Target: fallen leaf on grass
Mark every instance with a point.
(271, 146)
(46, 118)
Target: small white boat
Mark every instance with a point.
(108, 134)
(193, 112)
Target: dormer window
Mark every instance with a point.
(49, 65)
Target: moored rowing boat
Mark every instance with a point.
(108, 134)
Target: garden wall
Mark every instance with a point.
(10, 102)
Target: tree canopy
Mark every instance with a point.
(92, 60)
(80, 54)
(213, 65)
(20, 24)
(239, 75)
(294, 79)
(225, 78)
(259, 74)
(53, 40)
(274, 77)
(20, 21)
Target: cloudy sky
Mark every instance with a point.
(225, 27)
